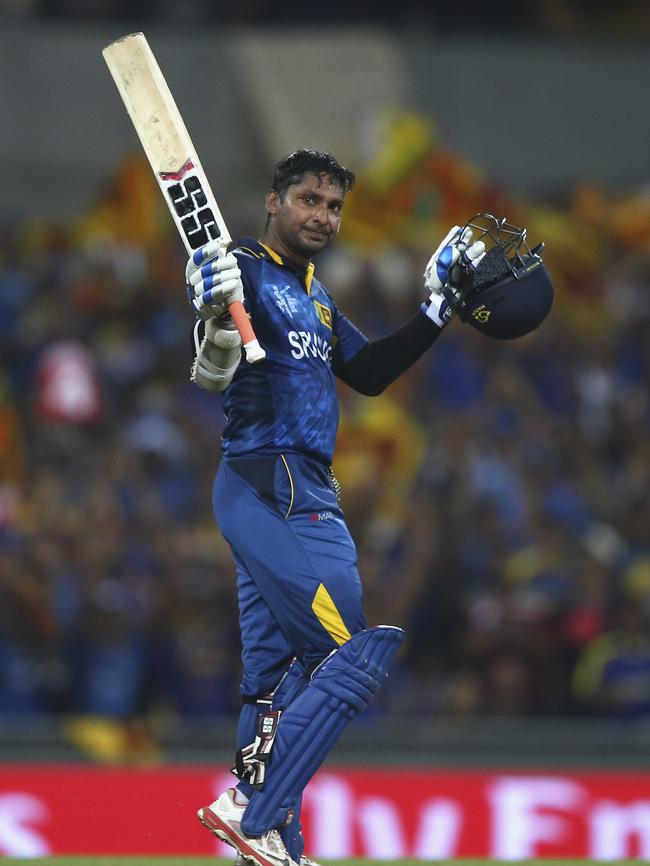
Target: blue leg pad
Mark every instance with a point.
(291, 834)
(292, 684)
(341, 687)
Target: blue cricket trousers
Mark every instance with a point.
(298, 583)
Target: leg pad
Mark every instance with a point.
(341, 687)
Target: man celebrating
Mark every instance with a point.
(310, 662)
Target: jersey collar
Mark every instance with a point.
(262, 251)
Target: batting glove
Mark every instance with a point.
(217, 355)
(440, 272)
(213, 280)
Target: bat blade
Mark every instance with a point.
(175, 162)
(149, 102)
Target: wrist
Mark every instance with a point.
(437, 309)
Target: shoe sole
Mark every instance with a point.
(222, 831)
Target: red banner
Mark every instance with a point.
(381, 813)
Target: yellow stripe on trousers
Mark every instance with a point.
(329, 617)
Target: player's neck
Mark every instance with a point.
(284, 252)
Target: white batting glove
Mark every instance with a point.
(222, 333)
(217, 355)
(213, 280)
(442, 292)
(437, 269)
(436, 273)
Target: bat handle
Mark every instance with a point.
(254, 352)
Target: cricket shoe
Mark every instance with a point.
(223, 818)
(304, 861)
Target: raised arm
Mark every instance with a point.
(379, 363)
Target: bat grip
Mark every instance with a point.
(254, 352)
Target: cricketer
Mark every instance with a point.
(310, 661)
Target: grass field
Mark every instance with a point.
(216, 861)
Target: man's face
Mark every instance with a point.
(308, 217)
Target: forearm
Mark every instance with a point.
(372, 369)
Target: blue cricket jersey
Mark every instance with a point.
(288, 401)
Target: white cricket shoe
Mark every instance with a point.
(304, 861)
(223, 818)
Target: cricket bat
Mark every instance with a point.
(174, 160)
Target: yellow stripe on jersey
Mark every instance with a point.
(328, 616)
(249, 250)
(309, 276)
(309, 273)
(276, 258)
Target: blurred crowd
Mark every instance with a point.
(499, 493)
(564, 18)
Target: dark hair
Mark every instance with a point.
(294, 167)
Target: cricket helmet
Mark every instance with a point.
(510, 292)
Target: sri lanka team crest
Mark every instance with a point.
(324, 314)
